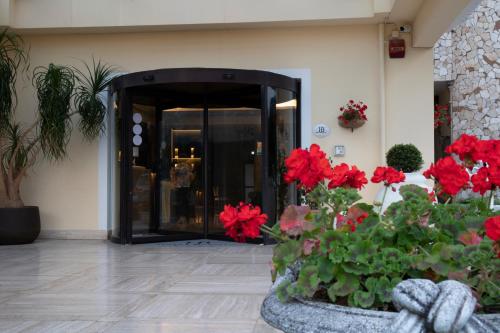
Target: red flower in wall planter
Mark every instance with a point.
(353, 115)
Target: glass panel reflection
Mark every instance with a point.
(235, 148)
(286, 118)
(181, 161)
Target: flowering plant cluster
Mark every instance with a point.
(349, 253)
(353, 111)
(473, 154)
(441, 115)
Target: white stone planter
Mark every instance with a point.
(413, 178)
(415, 299)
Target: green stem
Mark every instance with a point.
(268, 230)
(423, 250)
(379, 215)
(382, 204)
(493, 284)
(492, 191)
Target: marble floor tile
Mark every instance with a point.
(166, 326)
(233, 269)
(191, 307)
(63, 306)
(25, 282)
(221, 284)
(262, 327)
(96, 286)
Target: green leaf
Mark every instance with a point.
(384, 289)
(308, 280)
(363, 299)
(345, 285)
(331, 294)
(286, 254)
(326, 269)
(282, 291)
(356, 268)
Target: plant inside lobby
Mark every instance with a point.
(337, 250)
(66, 97)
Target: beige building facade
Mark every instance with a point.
(339, 50)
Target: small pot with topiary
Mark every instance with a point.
(408, 159)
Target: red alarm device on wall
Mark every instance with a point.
(397, 46)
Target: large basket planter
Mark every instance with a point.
(19, 225)
(303, 316)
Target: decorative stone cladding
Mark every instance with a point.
(469, 56)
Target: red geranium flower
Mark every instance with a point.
(243, 221)
(343, 177)
(307, 167)
(464, 147)
(487, 151)
(451, 176)
(492, 227)
(481, 181)
(387, 175)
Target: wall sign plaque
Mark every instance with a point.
(321, 130)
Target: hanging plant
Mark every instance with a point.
(353, 115)
(441, 115)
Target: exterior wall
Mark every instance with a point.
(116, 14)
(470, 56)
(344, 64)
(409, 93)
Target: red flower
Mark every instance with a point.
(464, 147)
(487, 151)
(470, 238)
(451, 176)
(307, 167)
(243, 221)
(492, 227)
(432, 196)
(343, 177)
(387, 175)
(481, 182)
(293, 220)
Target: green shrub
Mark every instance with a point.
(404, 157)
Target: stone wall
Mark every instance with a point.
(469, 56)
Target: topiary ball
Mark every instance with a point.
(404, 157)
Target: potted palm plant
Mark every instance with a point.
(65, 95)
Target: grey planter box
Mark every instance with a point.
(302, 316)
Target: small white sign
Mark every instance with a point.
(339, 151)
(321, 130)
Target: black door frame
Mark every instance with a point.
(265, 80)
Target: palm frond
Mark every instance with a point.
(88, 102)
(55, 86)
(13, 134)
(12, 57)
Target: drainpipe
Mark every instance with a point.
(381, 50)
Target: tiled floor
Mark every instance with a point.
(96, 286)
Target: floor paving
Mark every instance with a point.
(96, 286)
